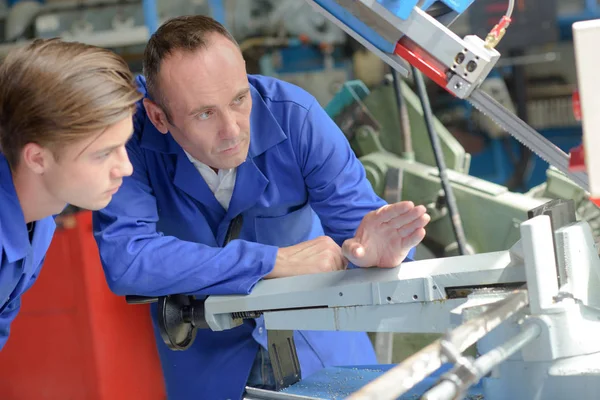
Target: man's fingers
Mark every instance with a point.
(409, 228)
(358, 251)
(343, 263)
(352, 250)
(391, 211)
(340, 261)
(402, 220)
(414, 239)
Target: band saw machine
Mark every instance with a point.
(533, 311)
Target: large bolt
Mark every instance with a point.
(471, 66)
(460, 57)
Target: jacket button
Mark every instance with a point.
(260, 330)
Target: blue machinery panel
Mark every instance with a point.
(403, 8)
(400, 8)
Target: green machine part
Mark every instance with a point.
(558, 186)
(490, 213)
(384, 108)
(354, 105)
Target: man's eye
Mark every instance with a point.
(239, 100)
(204, 115)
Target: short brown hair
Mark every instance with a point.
(188, 33)
(53, 93)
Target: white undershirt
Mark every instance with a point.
(221, 183)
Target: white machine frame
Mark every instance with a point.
(587, 58)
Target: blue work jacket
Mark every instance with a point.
(164, 231)
(20, 258)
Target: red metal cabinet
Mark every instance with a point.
(74, 339)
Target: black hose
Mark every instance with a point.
(441, 164)
(407, 147)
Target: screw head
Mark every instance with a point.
(471, 66)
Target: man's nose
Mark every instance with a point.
(229, 128)
(124, 167)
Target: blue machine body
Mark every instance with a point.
(401, 8)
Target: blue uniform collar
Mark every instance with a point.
(13, 229)
(265, 131)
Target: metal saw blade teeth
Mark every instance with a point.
(507, 130)
(526, 135)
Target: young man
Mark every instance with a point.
(65, 116)
(211, 144)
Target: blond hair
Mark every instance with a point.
(54, 93)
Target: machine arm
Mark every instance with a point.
(384, 300)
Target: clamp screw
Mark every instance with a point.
(471, 66)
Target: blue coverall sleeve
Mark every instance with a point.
(339, 191)
(7, 317)
(10, 312)
(138, 260)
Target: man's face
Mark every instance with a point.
(208, 97)
(88, 173)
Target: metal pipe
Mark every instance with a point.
(263, 394)
(406, 133)
(494, 357)
(417, 367)
(447, 389)
(441, 164)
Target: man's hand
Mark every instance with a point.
(385, 236)
(314, 256)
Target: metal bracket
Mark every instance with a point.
(561, 213)
(284, 359)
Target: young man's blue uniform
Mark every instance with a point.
(60, 143)
(20, 258)
(164, 230)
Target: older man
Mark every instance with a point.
(212, 143)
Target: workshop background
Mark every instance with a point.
(75, 340)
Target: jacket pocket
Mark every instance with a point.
(286, 230)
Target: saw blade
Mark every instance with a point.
(525, 134)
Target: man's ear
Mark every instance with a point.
(36, 157)
(156, 115)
